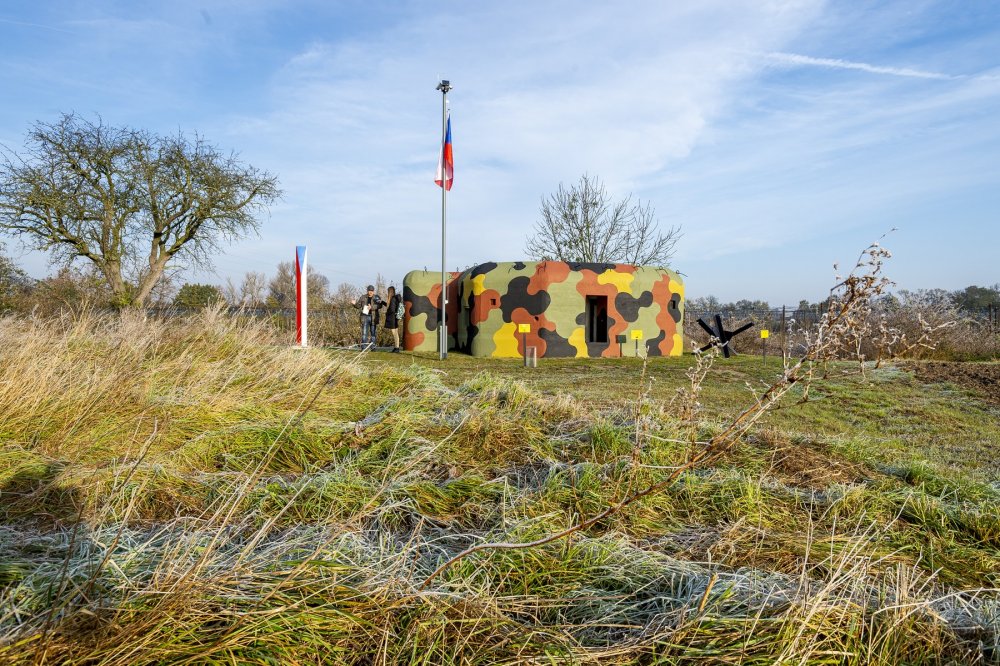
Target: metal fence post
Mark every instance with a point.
(784, 335)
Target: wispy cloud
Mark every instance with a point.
(837, 63)
(618, 95)
(27, 24)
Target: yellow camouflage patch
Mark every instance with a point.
(676, 288)
(505, 340)
(478, 286)
(622, 281)
(578, 338)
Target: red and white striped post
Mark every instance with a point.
(301, 297)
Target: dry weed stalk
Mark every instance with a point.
(912, 329)
(878, 331)
(685, 401)
(849, 300)
(641, 418)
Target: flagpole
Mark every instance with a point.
(444, 87)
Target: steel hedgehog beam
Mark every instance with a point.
(722, 335)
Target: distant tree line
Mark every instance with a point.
(82, 286)
(77, 286)
(971, 299)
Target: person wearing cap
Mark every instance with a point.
(368, 303)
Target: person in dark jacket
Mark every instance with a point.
(369, 303)
(394, 317)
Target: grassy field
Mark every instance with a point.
(199, 492)
(890, 412)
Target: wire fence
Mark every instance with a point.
(339, 325)
(976, 331)
(331, 325)
(778, 319)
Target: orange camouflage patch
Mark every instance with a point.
(662, 295)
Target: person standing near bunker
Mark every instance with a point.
(394, 317)
(369, 303)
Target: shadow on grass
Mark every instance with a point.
(35, 492)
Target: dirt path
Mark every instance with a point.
(983, 378)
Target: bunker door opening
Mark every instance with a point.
(597, 319)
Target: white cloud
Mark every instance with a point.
(837, 63)
(540, 97)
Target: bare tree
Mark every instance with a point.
(345, 295)
(583, 223)
(250, 293)
(127, 200)
(281, 288)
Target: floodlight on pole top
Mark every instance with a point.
(444, 86)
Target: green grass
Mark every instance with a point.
(167, 497)
(900, 417)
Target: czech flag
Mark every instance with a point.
(446, 163)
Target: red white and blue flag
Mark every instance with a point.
(446, 162)
(301, 293)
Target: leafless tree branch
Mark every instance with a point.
(582, 223)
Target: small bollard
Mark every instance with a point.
(637, 336)
(524, 329)
(531, 357)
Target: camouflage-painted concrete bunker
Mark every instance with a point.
(571, 309)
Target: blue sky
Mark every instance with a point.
(781, 136)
